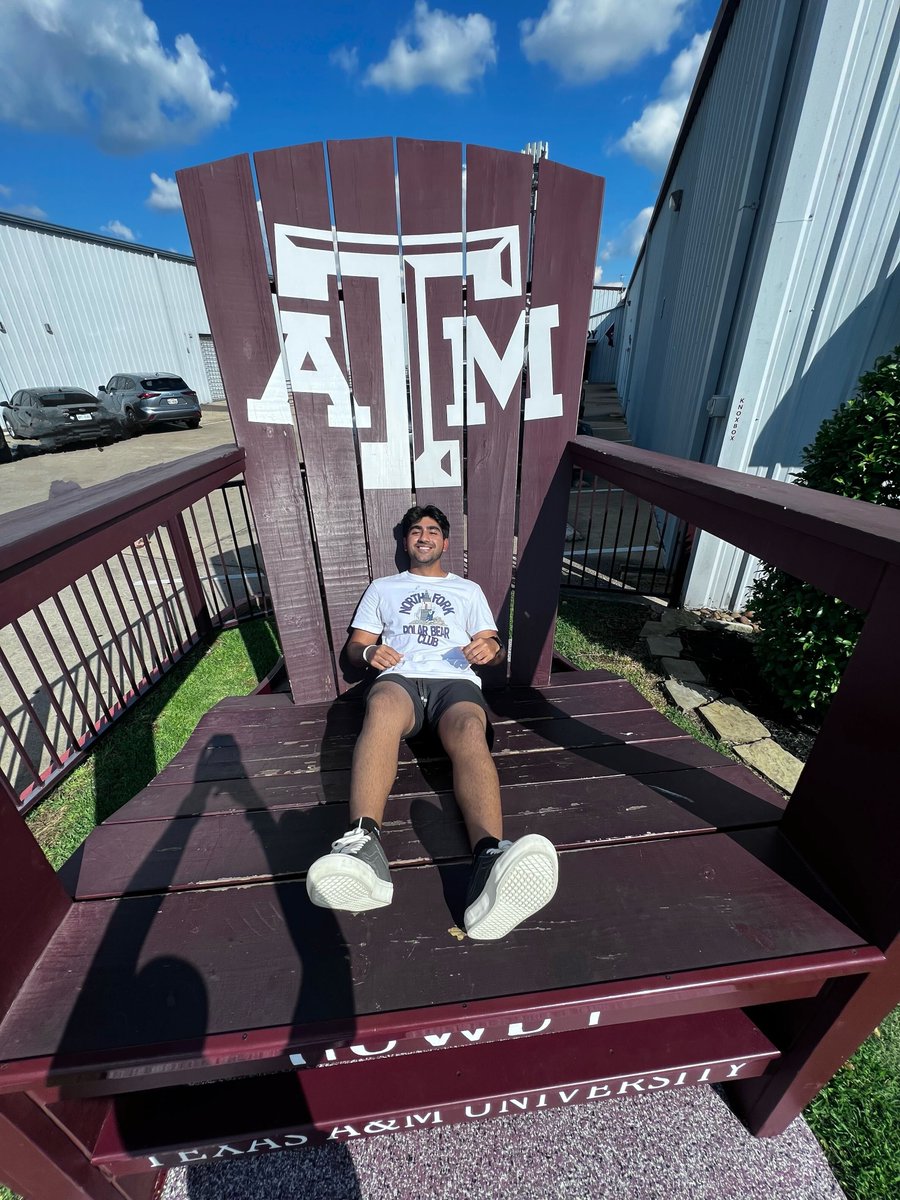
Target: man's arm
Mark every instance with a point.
(379, 659)
(484, 650)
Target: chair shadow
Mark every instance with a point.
(134, 995)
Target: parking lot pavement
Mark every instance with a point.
(39, 473)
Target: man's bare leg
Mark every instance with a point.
(510, 880)
(475, 783)
(389, 715)
(356, 876)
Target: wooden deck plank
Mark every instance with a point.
(171, 969)
(254, 844)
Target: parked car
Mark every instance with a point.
(146, 398)
(57, 416)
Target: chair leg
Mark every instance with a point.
(842, 1017)
(39, 1161)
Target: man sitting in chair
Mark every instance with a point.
(433, 628)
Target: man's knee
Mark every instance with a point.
(463, 727)
(390, 708)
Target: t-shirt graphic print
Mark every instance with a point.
(426, 619)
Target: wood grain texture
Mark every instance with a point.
(567, 226)
(293, 189)
(364, 196)
(430, 186)
(498, 195)
(221, 215)
(174, 968)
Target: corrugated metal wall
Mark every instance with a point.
(694, 259)
(605, 345)
(110, 308)
(776, 283)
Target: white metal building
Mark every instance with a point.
(76, 308)
(768, 279)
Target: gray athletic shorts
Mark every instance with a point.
(432, 697)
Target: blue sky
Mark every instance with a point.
(102, 100)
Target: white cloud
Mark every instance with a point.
(437, 48)
(345, 57)
(598, 275)
(4, 190)
(29, 210)
(649, 139)
(117, 230)
(164, 197)
(587, 40)
(627, 241)
(98, 68)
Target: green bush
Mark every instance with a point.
(807, 637)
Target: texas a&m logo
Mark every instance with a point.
(305, 263)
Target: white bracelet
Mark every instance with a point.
(365, 648)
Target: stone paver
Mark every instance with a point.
(773, 761)
(732, 723)
(682, 669)
(688, 697)
(660, 647)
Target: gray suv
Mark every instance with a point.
(150, 398)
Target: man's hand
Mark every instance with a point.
(481, 651)
(383, 657)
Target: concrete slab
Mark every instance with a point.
(660, 647)
(688, 697)
(677, 1145)
(682, 669)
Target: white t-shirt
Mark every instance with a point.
(426, 619)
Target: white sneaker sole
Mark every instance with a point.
(343, 883)
(523, 881)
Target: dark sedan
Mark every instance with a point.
(58, 416)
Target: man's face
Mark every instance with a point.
(425, 543)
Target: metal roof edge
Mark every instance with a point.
(80, 235)
(719, 33)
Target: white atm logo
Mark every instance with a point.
(305, 262)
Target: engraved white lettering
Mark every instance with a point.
(517, 1029)
(231, 1150)
(188, 1156)
(257, 1144)
(437, 1039)
(470, 1112)
(386, 1126)
(600, 1091)
(347, 1130)
(655, 1087)
(422, 1119)
(295, 1139)
(362, 1052)
(625, 1085)
(568, 1097)
(472, 1035)
(735, 1070)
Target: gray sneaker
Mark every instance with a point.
(509, 885)
(354, 877)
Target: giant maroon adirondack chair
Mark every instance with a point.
(433, 336)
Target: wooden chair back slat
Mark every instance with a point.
(365, 201)
(498, 197)
(430, 186)
(222, 218)
(565, 238)
(408, 316)
(294, 194)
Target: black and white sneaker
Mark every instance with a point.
(509, 885)
(354, 877)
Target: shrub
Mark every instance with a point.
(807, 637)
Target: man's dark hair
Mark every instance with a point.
(418, 511)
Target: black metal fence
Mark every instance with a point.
(90, 624)
(616, 542)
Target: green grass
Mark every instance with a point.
(151, 734)
(856, 1117)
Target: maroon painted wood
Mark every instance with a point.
(430, 188)
(562, 277)
(221, 215)
(32, 900)
(364, 198)
(345, 1102)
(40, 1162)
(294, 193)
(498, 197)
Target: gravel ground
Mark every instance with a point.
(677, 1145)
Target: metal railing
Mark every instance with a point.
(102, 594)
(617, 542)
